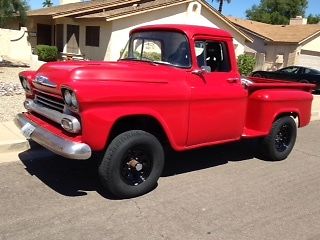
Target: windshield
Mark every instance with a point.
(162, 47)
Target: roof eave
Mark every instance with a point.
(226, 20)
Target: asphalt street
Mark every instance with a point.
(215, 193)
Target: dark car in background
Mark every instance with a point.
(293, 73)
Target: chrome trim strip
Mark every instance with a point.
(56, 144)
(48, 104)
(53, 115)
(50, 100)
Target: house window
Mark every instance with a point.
(92, 36)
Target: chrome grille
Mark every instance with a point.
(49, 101)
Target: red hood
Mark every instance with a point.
(62, 73)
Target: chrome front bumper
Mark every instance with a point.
(56, 144)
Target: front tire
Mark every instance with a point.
(132, 164)
(279, 143)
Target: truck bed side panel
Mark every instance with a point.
(265, 106)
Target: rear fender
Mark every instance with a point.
(265, 106)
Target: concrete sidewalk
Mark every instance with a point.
(12, 140)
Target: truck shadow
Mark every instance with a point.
(77, 178)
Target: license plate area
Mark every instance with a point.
(27, 130)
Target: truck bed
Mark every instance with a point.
(263, 83)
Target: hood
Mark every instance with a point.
(62, 73)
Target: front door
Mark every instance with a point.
(73, 39)
(218, 100)
(44, 34)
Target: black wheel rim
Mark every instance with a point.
(136, 166)
(283, 138)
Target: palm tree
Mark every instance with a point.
(10, 9)
(47, 3)
(221, 4)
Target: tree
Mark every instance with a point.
(277, 11)
(221, 4)
(10, 9)
(313, 19)
(47, 3)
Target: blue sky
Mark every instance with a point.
(236, 8)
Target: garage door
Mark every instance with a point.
(309, 59)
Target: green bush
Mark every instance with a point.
(47, 53)
(246, 64)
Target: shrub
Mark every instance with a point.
(246, 64)
(47, 53)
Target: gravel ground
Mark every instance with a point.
(10, 85)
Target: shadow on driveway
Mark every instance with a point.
(75, 178)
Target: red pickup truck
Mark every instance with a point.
(174, 84)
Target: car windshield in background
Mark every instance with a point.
(161, 47)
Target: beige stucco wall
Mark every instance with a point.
(289, 52)
(174, 15)
(114, 34)
(313, 44)
(95, 53)
(14, 45)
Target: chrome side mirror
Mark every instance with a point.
(202, 70)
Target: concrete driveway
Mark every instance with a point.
(217, 193)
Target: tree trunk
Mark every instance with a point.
(220, 5)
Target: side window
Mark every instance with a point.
(290, 70)
(212, 56)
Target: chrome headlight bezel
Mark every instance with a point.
(70, 99)
(25, 84)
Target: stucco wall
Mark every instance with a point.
(174, 15)
(287, 50)
(114, 34)
(14, 45)
(313, 44)
(96, 53)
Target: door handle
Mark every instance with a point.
(232, 80)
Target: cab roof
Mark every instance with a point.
(189, 30)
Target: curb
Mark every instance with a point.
(11, 140)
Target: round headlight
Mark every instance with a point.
(68, 97)
(74, 100)
(24, 83)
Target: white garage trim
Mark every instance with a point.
(309, 59)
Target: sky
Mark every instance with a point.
(236, 8)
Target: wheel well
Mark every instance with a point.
(145, 123)
(294, 115)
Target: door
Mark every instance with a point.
(59, 37)
(73, 39)
(44, 34)
(218, 100)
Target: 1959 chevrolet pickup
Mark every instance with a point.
(173, 84)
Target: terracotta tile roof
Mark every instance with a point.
(278, 33)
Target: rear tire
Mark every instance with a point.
(279, 143)
(257, 75)
(132, 164)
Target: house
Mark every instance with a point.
(277, 46)
(99, 29)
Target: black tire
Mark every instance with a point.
(257, 75)
(279, 143)
(119, 170)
